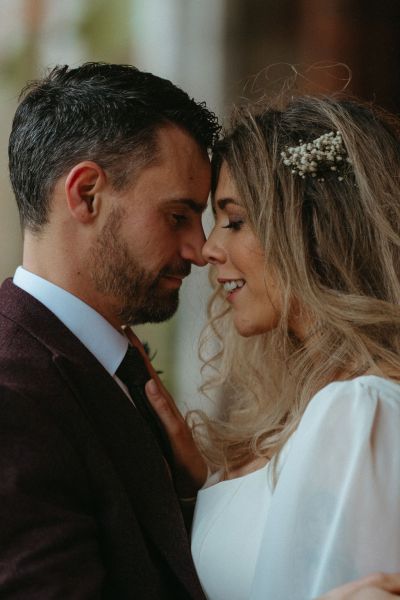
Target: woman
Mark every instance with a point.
(305, 494)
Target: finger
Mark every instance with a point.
(190, 468)
(165, 409)
(154, 375)
(390, 582)
(367, 587)
(160, 391)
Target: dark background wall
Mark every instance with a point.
(362, 34)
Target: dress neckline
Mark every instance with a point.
(214, 482)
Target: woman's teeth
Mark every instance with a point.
(229, 286)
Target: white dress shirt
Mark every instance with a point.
(101, 339)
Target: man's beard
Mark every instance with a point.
(136, 292)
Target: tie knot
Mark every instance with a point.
(132, 370)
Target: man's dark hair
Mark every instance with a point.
(102, 112)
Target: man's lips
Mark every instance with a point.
(173, 280)
(173, 275)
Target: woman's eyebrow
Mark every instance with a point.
(223, 202)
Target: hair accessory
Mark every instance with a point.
(325, 153)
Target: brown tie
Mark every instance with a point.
(134, 374)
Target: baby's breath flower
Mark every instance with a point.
(325, 153)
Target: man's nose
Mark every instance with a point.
(192, 248)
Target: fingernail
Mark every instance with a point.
(152, 386)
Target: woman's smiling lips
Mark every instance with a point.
(232, 286)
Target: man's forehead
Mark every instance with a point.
(179, 174)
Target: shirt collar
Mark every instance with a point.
(101, 339)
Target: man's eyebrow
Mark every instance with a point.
(197, 207)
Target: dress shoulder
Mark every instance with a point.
(352, 400)
(334, 514)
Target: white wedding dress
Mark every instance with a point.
(333, 516)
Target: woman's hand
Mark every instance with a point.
(379, 586)
(190, 470)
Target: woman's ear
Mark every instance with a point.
(82, 187)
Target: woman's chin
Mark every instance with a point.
(248, 329)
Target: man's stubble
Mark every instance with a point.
(136, 292)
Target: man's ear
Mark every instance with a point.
(82, 187)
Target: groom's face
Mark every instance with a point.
(154, 232)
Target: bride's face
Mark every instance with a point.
(236, 253)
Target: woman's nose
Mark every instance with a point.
(212, 251)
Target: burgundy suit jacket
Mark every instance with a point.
(87, 508)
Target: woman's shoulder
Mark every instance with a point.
(356, 400)
(346, 418)
(361, 387)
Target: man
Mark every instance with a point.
(110, 170)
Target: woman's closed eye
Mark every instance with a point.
(235, 224)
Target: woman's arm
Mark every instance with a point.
(334, 515)
(379, 586)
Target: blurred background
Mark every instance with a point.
(220, 51)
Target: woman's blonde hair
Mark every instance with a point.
(334, 245)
